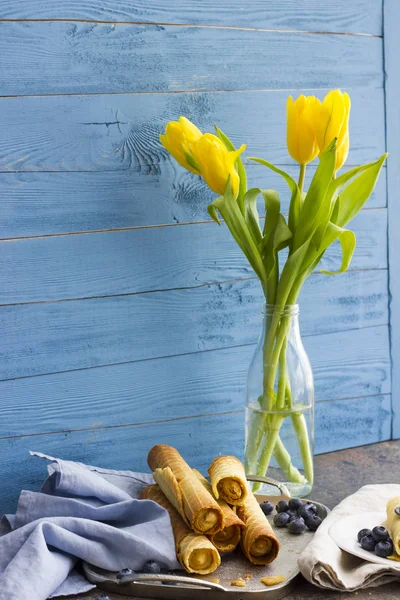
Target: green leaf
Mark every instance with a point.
(279, 239)
(347, 241)
(295, 200)
(356, 193)
(290, 272)
(214, 207)
(239, 167)
(316, 208)
(251, 213)
(227, 206)
(272, 210)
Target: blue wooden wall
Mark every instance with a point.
(126, 316)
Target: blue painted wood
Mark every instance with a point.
(155, 258)
(392, 52)
(120, 131)
(62, 336)
(49, 203)
(79, 58)
(353, 364)
(199, 439)
(363, 16)
(349, 423)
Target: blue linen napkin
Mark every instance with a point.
(81, 512)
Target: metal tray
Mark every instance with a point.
(183, 586)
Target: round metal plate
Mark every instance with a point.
(182, 586)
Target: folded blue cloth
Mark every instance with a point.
(81, 512)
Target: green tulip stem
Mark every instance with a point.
(301, 178)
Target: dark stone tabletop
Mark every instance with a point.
(338, 474)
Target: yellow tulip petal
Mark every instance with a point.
(301, 137)
(331, 119)
(178, 139)
(342, 153)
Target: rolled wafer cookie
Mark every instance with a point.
(227, 539)
(228, 480)
(197, 507)
(258, 541)
(195, 552)
(393, 522)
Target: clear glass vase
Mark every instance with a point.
(280, 404)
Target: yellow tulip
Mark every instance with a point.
(301, 135)
(333, 122)
(217, 164)
(179, 139)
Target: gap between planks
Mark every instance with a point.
(166, 356)
(193, 91)
(185, 418)
(133, 228)
(157, 291)
(192, 25)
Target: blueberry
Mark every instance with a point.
(103, 597)
(384, 548)
(311, 508)
(281, 519)
(397, 510)
(295, 503)
(151, 567)
(380, 534)
(297, 526)
(267, 508)
(282, 506)
(362, 533)
(368, 543)
(292, 514)
(313, 522)
(123, 573)
(304, 512)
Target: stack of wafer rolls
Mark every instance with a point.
(259, 543)
(197, 507)
(228, 480)
(228, 538)
(195, 552)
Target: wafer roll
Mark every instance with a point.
(228, 479)
(393, 522)
(259, 543)
(195, 552)
(227, 539)
(195, 504)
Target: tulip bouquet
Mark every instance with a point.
(317, 218)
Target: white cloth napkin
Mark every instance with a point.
(326, 566)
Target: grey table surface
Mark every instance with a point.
(338, 474)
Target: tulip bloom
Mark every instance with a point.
(179, 139)
(333, 122)
(217, 164)
(301, 135)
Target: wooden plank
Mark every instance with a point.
(155, 258)
(199, 440)
(392, 51)
(62, 336)
(359, 16)
(120, 131)
(353, 364)
(349, 423)
(77, 58)
(50, 203)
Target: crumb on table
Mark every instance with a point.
(248, 576)
(273, 579)
(215, 580)
(239, 582)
